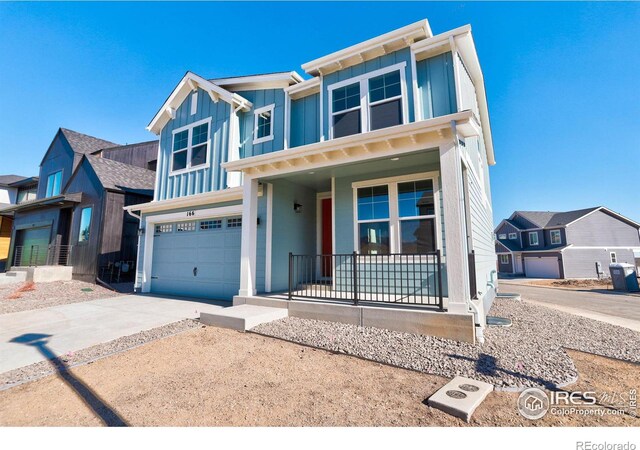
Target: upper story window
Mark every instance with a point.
(533, 238)
(85, 224)
(190, 146)
(502, 236)
(24, 195)
(263, 124)
(405, 206)
(613, 258)
(54, 184)
(555, 237)
(368, 102)
(513, 236)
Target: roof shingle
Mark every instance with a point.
(83, 143)
(122, 177)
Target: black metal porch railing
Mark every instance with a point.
(42, 255)
(413, 279)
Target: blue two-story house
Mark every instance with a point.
(366, 183)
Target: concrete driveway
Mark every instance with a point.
(611, 307)
(76, 326)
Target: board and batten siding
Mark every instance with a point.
(260, 98)
(436, 86)
(601, 229)
(209, 177)
(380, 62)
(305, 120)
(59, 156)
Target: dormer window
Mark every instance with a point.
(54, 184)
(263, 124)
(513, 236)
(533, 238)
(190, 146)
(368, 102)
(555, 237)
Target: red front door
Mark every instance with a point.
(327, 236)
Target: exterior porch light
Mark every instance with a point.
(297, 207)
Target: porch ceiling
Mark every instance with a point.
(320, 180)
(380, 144)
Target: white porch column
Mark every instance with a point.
(249, 237)
(454, 228)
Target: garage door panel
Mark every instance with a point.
(542, 267)
(216, 254)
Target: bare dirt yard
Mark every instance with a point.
(28, 296)
(215, 377)
(587, 284)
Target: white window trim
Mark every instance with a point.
(256, 140)
(534, 233)
(613, 257)
(190, 127)
(395, 240)
(515, 236)
(504, 259)
(553, 233)
(502, 236)
(364, 96)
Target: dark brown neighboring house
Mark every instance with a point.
(77, 217)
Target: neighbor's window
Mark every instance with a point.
(533, 238)
(555, 237)
(236, 222)
(416, 211)
(263, 124)
(385, 100)
(85, 224)
(502, 236)
(408, 207)
(613, 257)
(346, 110)
(190, 146)
(54, 184)
(513, 236)
(504, 259)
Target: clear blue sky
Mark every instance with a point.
(562, 78)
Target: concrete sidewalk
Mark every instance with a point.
(80, 325)
(611, 307)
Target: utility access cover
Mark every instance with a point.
(460, 397)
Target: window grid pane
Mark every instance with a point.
(234, 223)
(210, 224)
(374, 238)
(180, 140)
(164, 228)
(415, 198)
(199, 155)
(346, 97)
(179, 160)
(418, 236)
(373, 203)
(185, 226)
(264, 125)
(200, 134)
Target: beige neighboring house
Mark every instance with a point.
(14, 189)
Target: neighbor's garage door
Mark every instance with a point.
(197, 258)
(544, 267)
(32, 247)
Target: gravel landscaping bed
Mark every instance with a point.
(43, 295)
(529, 353)
(44, 368)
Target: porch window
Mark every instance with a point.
(373, 220)
(263, 126)
(85, 224)
(533, 238)
(190, 146)
(54, 184)
(555, 237)
(396, 217)
(346, 110)
(416, 211)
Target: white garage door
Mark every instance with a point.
(544, 267)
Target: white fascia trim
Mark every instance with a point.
(258, 80)
(408, 34)
(190, 82)
(604, 247)
(466, 48)
(208, 198)
(508, 223)
(608, 211)
(307, 87)
(398, 131)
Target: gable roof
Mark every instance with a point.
(117, 176)
(545, 219)
(6, 180)
(188, 84)
(83, 143)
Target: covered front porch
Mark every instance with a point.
(379, 225)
